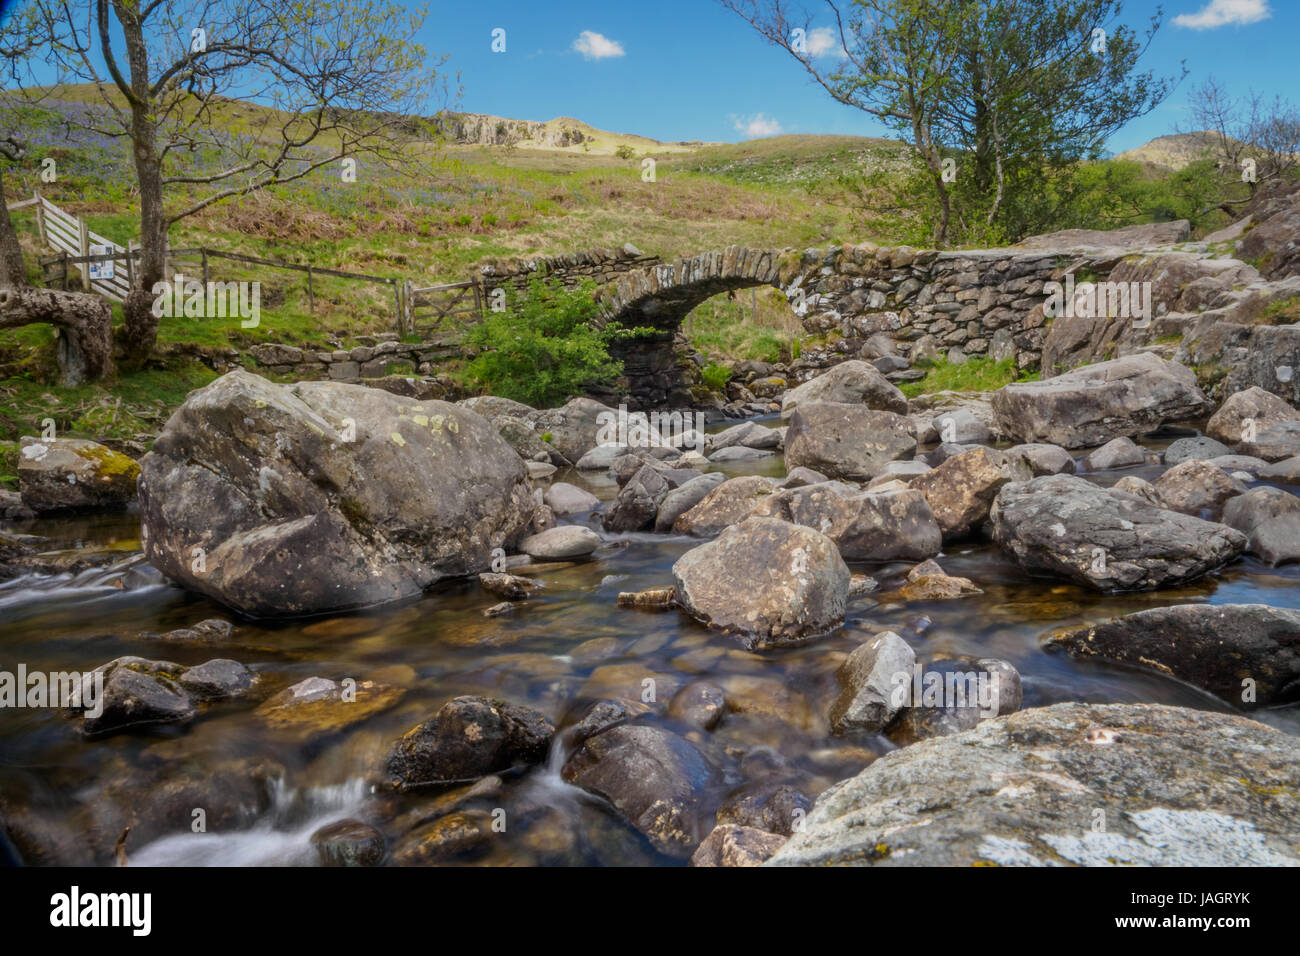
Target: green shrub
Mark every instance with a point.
(715, 376)
(543, 349)
(625, 152)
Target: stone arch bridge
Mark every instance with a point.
(931, 304)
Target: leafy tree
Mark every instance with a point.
(337, 74)
(547, 345)
(989, 93)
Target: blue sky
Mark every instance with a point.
(689, 69)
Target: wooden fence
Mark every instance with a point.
(110, 269)
(103, 266)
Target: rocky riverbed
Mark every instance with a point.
(334, 625)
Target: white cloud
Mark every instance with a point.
(1218, 13)
(757, 126)
(822, 40)
(595, 46)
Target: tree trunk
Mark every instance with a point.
(12, 272)
(85, 324)
(140, 328)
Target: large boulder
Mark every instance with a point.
(851, 383)
(846, 441)
(282, 500)
(865, 526)
(1026, 790)
(1270, 520)
(1091, 405)
(1245, 654)
(1275, 443)
(766, 581)
(59, 474)
(685, 497)
(574, 428)
(961, 491)
(638, 502)
(658, 781)
(1197, 488)
(1105, 539)
(726, 504)
(1248, 411)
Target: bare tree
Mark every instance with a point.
(337, 76)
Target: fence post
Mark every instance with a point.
(84, 231)
(408, 304)
(311, 295)
(397, 299)
(130, 269)
(203, 252)
(40, 217)
(65, 272)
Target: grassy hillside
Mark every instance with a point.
(436, 215)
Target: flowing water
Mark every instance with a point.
(262, 792)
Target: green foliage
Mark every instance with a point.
(715, 376)
(625, 151)
(544, 348)
(976, 375)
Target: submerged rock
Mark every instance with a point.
(470, 737)
(318, 707)
(1025, 790)
(657, 780)
(731, 845)
(282, 500)
(1245, 654)
(349, 843)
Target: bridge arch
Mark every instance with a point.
(660, 296)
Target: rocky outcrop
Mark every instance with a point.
(1026, 790)
(1105, 539)
(281, 500)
